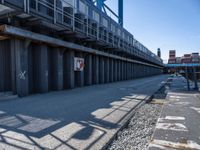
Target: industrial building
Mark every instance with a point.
(185, 59)
(48, 45)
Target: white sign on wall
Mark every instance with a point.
(78, 64)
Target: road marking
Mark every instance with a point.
(171, 126)
(195, 108)
(168, 144)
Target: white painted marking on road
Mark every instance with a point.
(156, 146)
(175, 99)
(182, 103)
(172, 126)
(195, 108)
(178, 118)
(169, 144)
(171, 96)
(174, 118)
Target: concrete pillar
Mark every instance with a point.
(128, 70)
(111, 69)
(56, 69)
(69, 75)
(88, 69)
(121, 66)
(119, 70)
(137, 70)
(43, 68)
(79, 75)
(107, 70)
(13, 66)
(21, 56)
(115, 70)
(123, 70)
(126, 75)
(5, 66)
(101, 70)
(131, 66)
(95, 69)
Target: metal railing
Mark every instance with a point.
(67, 15)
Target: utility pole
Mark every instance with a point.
(186, 74)
(195, 79)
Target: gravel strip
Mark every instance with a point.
(138, 133)
(140, 129)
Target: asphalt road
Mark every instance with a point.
(178, 126)
(82, 118)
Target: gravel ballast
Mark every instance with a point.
(139, 130)
(138, 133)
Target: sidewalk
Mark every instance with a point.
(82, 118)
(179, 124)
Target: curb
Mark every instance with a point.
(127, 119)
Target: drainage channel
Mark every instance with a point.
(138, 131)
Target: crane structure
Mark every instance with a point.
(102, 6)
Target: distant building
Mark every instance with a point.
(159, 53)
(172, 57)
(195, 58)
(186, 58)
(178, 60)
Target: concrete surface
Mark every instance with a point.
(82, 118)
(179, 124)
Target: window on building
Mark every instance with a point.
(112, 28)
(83, 8)
(95, 16)
(105, 22)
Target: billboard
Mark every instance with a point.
(78, 64)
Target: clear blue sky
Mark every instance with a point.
(167, 24)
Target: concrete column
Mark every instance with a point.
(13, 66)
(133, 70)
(101, 70)
(115, 70)
(95, 69)
(69, 75)
(122, 71)
(79, 75)
(5, 66)
(136, 71)
(119, 70)
(22, 77)
(43, 68)
(56, 69)
(128, 70)
(111, 69)
(107, 70)
(88, 69)
(131, 66)
(126, 75)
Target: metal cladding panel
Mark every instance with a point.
(16, 3)
(5, 66)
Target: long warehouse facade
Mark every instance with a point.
(48, 45)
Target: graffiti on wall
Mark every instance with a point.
(22, 75)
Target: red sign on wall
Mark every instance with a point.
(78, 64)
